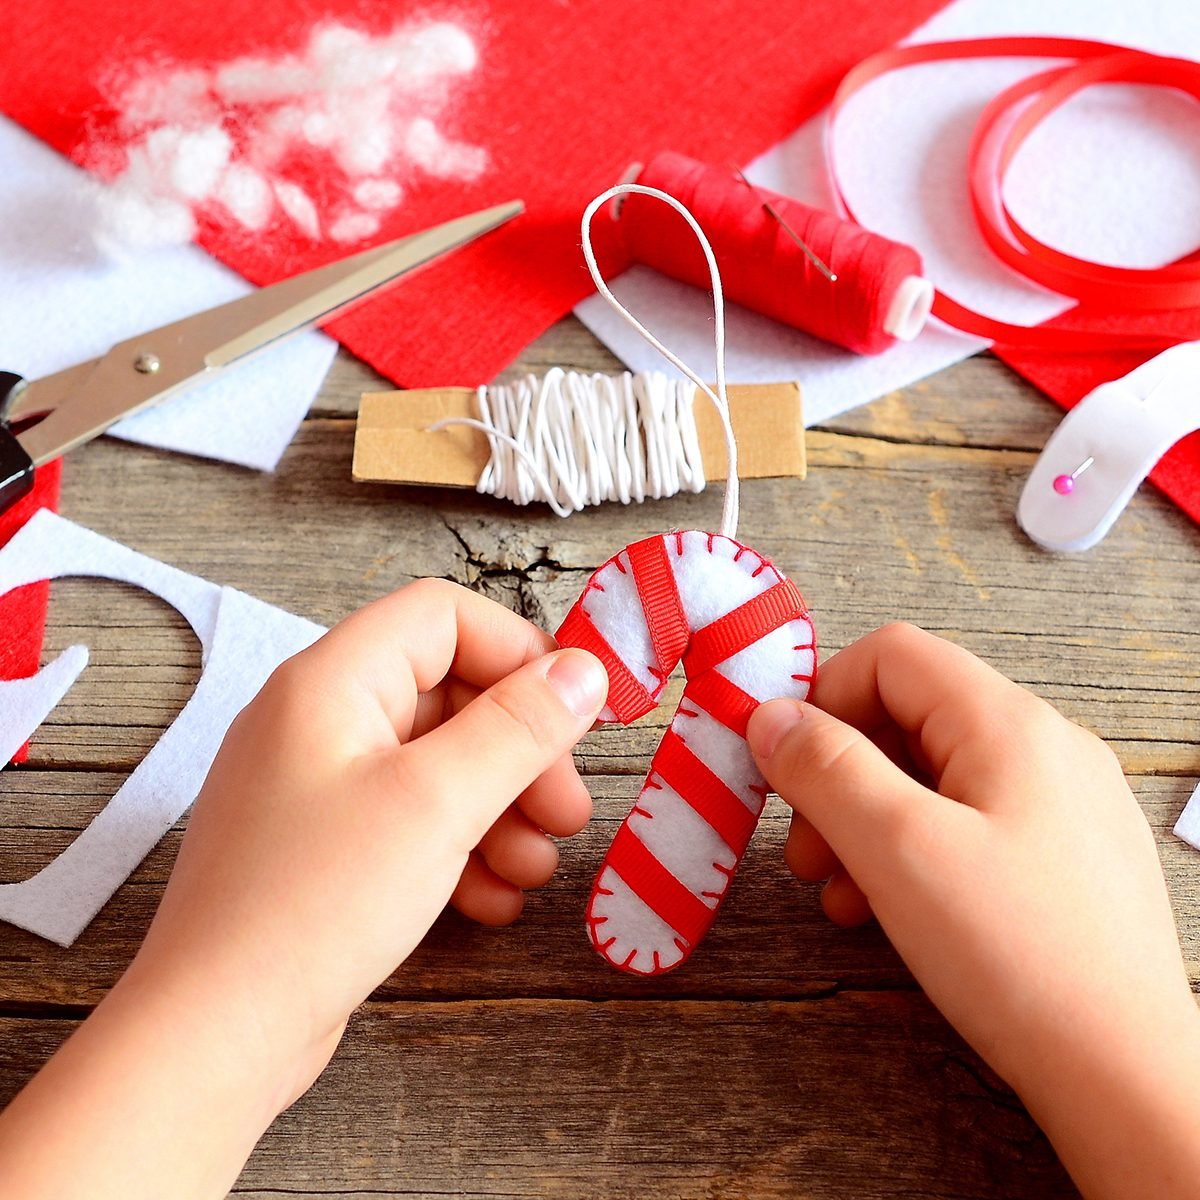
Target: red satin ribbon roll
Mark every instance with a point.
(1003, 127)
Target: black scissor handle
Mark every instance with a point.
(11, 387)
(16, 467)
(16, 470)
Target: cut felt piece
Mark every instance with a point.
(242, 641)
(743, 635)
(1067, 378)
(562, 99)
(23, 611)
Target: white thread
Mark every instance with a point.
(574, 440)
(729, 513)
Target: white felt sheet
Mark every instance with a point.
(242, 641)
(26, 703)
(1188, 826)
(1115, 175)
(63, 302)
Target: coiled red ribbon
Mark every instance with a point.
(1002, 128)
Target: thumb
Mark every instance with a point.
(477, 763)
(856, 798)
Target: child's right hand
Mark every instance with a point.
(1003, 853)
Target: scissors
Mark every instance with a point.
(61, 411)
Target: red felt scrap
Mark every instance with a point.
(564, 99)
(23, 611)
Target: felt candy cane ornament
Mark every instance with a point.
(743, 634)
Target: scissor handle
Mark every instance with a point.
(11, 386)
(16, 467)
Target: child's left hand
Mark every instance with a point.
(419, 753)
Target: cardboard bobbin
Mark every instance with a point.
(393, 444)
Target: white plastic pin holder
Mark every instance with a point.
(1106, 445)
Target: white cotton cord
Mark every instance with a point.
(573, 440)
(729, 514)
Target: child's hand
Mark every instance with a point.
(371, 781)
(413, 756)
(1004, 855)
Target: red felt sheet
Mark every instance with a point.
(23, 611)
(564, 98)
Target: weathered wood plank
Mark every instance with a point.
(515, 1062)
(978, 402)
(772, 939)
(879, 531)
(862, 1095)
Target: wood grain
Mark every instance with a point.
(630, 1100)
(787, 1057)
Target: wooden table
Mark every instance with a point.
(788, 1058)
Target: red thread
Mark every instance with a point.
(688, 915)
(705, 791)
(761, 265)
(728, 635)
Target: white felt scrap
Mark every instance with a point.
(26, 703)
(1188, 826)
(242, 641)
(62, 303)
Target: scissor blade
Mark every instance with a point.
(44, 395)
(85, 400)
(254, 321)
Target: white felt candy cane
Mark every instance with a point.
(743, 634)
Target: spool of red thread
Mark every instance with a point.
(878, 298)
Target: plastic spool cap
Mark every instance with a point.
(910, 307)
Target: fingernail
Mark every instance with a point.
(770, 722)
(580, 681)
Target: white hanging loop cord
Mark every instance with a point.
(574, 440)
(729, 514)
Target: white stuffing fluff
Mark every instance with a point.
(220, 140)
(247, 196)
(354, 227)
(377, 194)
(298, 205)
